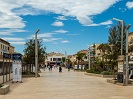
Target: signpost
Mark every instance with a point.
(17, 67)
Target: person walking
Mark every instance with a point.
(69, 67)
(51, 67)
(60, 69)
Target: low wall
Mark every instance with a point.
(1, 78)
(99, 75)
(4, 90)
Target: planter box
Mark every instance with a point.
(92, 74)
(109, 76)
(30, 75)
(4, 90)
(99, 75)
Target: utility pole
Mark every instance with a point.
(126, 68)
(36, 53)
(65, 59)
(89, 58)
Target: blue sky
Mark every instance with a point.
(65, 25)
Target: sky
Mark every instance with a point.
(65, 25)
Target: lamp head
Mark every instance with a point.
(128, 26)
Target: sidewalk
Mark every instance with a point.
(67, 85)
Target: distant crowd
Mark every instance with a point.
(50, 66)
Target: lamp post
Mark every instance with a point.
(89, 58)
(122, 27)
(121, 33)
(111, 46)
(44, 57)
(126, 69)
(36, 53)
(65, 59)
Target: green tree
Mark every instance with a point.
(63, 60)
(130, 50)
(115, 39)
(29, 52)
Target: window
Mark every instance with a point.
(59, 59)
(54, 59)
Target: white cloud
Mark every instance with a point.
(60, 31)
(108, 26)
(43, 35)
(12, 39)
(102, 23)
(57, 23)
(11, 31)
(50, 39)
(82, 10)
(8, 19)
(61, 18)
(65, 41)
(122, 9)
(5, 33)
(26, 11)
(73, 34)
(17, 43)
(129, 5)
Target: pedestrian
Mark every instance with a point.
(60, 69)
(51, 67)
(69, 67)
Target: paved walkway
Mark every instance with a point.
(67, 85)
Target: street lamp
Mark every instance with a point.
(65, 59)
(121, 33)
(126, 70)
(89, 57)
(44, 57)
(36, 53)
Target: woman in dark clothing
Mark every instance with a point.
(60, 69)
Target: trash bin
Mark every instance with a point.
(120, 77)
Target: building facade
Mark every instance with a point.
(54, 58)
(5, 61)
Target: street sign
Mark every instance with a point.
(121, 68)
(16, 56)
(17, 67)
(131, 57)
(6, 55)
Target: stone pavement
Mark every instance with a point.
(67, 85)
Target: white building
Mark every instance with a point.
(54, 58)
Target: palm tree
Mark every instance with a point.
(80, 57)
(104, 49)
(64, 60)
